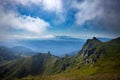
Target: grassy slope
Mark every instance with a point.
(38, 64)
(107, 66)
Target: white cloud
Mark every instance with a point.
(26, 36)
(87, 10)
(48, 5)
(28, 2)
(27, 24)
(33, 36)
(52, 5)
(100, 14)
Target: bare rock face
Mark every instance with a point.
(90, 61)
(90, 49)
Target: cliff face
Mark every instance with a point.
(90, 47)
(88, 52)
(94, 49)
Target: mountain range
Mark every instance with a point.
(58, 46)
(14, 53)
(96, 60)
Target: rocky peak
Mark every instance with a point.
(90, 47)
(94, 38)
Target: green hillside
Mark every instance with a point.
(95, 61)
(37, 64)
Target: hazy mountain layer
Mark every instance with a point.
(95, 61)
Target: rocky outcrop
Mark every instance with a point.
(89, 61)
(89, 52)
(90, 47)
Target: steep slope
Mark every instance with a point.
(103, 55)
(37, 64)
(90, 47)
(95, 61)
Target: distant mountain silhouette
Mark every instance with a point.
(22, 50)
(7, 54)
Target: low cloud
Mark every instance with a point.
(33, 36)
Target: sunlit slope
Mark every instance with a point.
(37, 64)
(95, 61)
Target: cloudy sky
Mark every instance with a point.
(44, 19)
